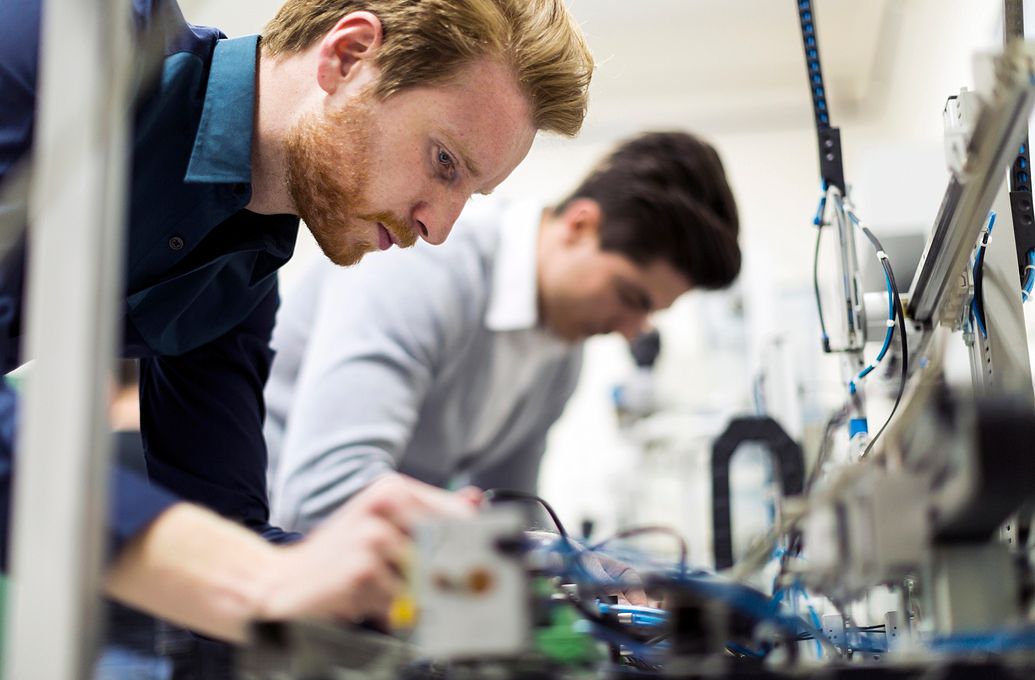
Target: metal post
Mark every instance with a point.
(997, 135)
(78, 208)
(1013, 20)
(999, 361)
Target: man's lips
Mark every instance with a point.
(384, 237)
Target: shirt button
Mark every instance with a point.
(176, 243)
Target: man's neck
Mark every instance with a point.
(278, 93)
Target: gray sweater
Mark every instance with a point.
(428, 361)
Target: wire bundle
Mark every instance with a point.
(602, 618)
(895, 311)
(977, 303)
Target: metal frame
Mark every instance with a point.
(1001, 368)
(853, 322)
(78, 207)
(998, 131)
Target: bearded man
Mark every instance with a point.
(372, 120)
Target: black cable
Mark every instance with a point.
(901, 317)
(506, 495)
(815, 286)
(657, 639)
(979, 279)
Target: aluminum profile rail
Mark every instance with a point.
(999, 129)
(77, 209)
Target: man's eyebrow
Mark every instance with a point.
(465, 157)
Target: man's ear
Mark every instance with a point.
(346, 54)
(581, 220)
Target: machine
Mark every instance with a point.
(925, 523)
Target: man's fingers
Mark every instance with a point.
(636, 596)
(387, 542)
(374, 587)
(472, 495)
(405, 502)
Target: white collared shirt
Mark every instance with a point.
(430, 361)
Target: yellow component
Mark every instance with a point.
(403, 613)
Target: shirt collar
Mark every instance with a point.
(514, 299)
(223, 146)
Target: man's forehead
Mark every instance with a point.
(489, 121)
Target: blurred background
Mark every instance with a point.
(733, 72)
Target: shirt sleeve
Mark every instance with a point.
(201, 416)
(381, 333)
(135, 502)
(19, 47)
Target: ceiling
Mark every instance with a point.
(721, 64)
(715, 64)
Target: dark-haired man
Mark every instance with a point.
(453, 363)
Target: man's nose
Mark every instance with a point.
(434, 220)
(631, 325)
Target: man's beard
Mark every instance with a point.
(327, 159)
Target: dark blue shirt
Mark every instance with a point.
(201, 287)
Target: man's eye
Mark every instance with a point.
(633, 301)
(445, 160)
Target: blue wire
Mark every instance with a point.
(1029, 279)
(739, 597)
(816, 623)
(861, 641)
(888, 335)
(988, 641)
(818, 219)
(977, 319)
(741, 649)
(641, 616)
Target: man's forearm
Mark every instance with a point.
(197, 569)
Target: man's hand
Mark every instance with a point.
(617, 577)
(351, 567)
(628, 585)
(192, 567)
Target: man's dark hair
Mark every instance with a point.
(664, 196)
